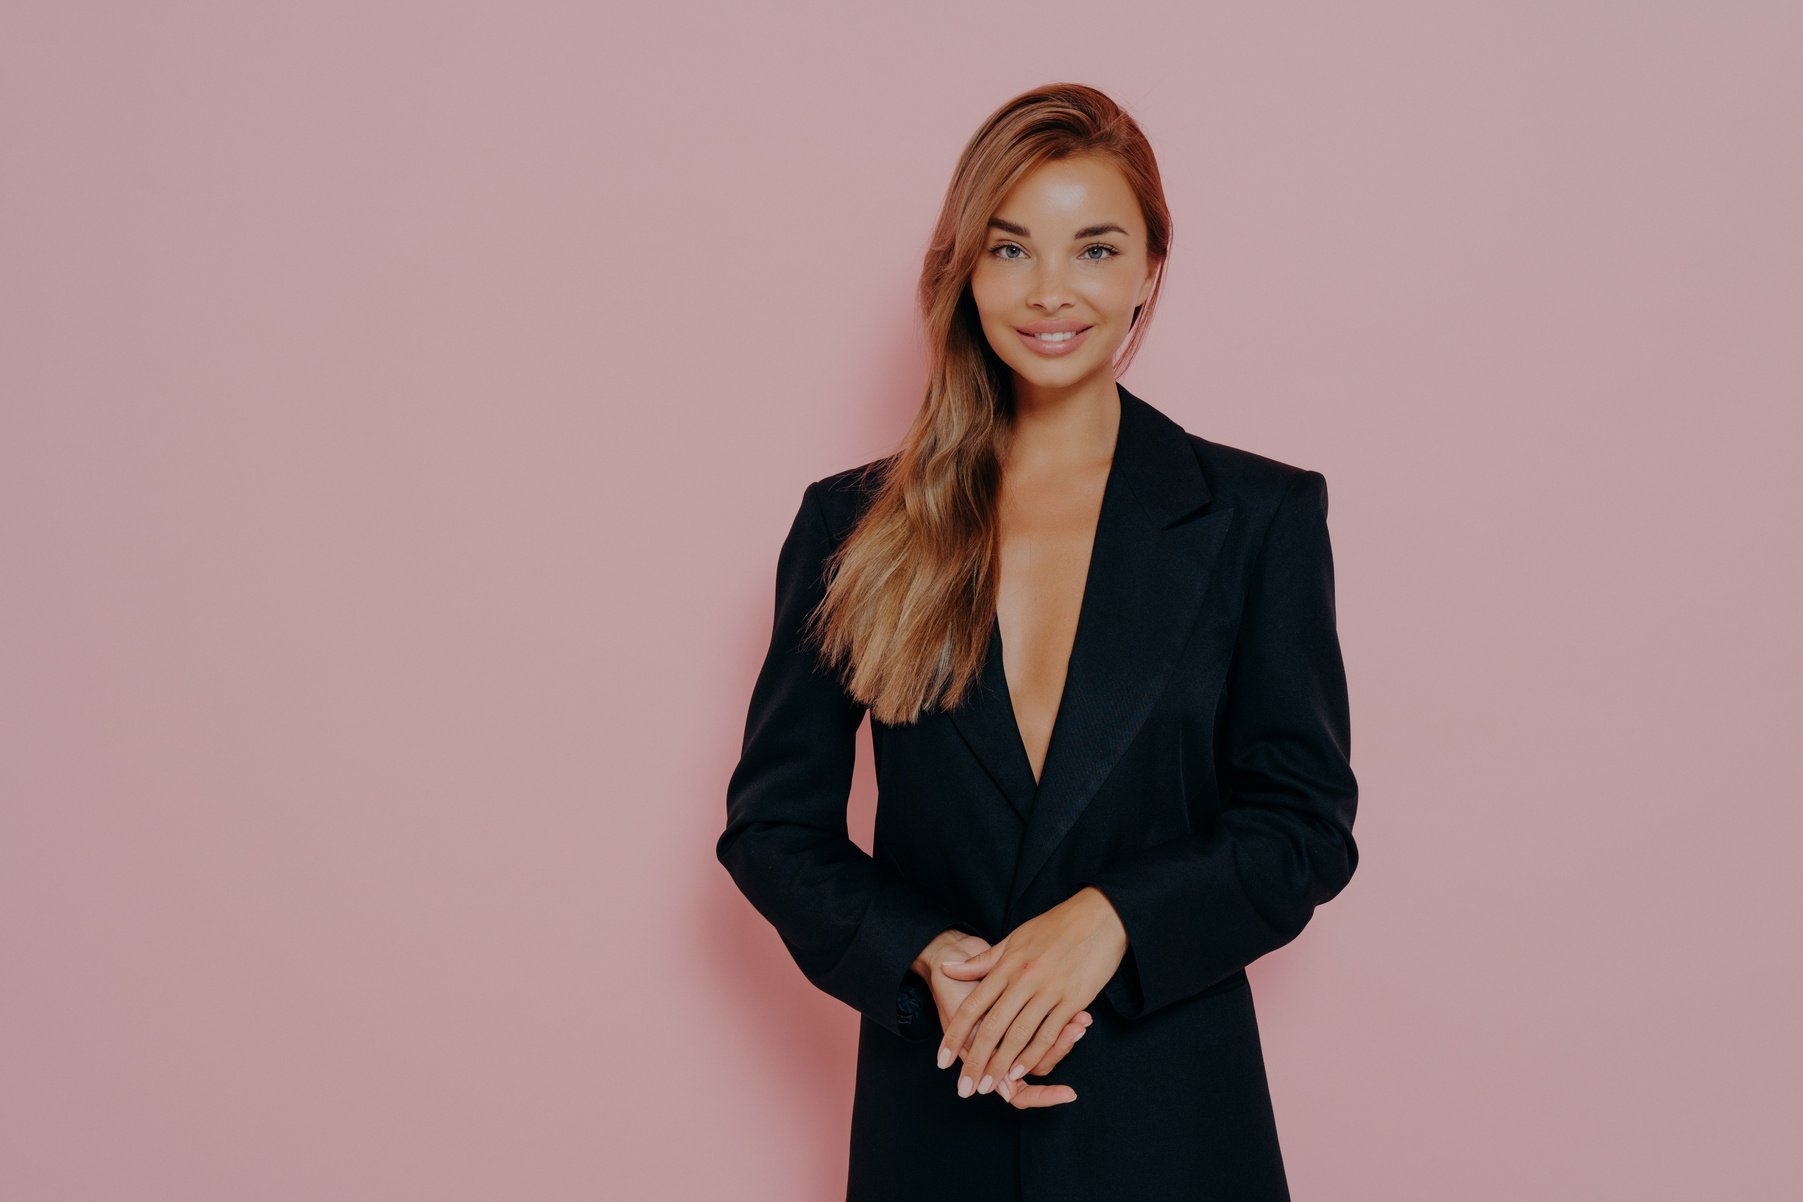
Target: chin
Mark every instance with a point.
(1053, 377)
(1055, 373)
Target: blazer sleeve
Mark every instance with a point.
(1202, 906)
(852, 924)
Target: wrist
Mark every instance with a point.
(1104, 907)
(943, 947)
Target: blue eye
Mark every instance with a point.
(995, 252)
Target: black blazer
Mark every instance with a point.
(1198, 774)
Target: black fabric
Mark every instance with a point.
(1198, 774)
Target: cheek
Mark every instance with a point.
(989, 293)
(996, 307)
(1114, 296)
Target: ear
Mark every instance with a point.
(974, 967)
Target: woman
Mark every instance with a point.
(1108, 713)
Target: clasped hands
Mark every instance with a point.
(1016, 1007)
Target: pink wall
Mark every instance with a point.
(403, 404)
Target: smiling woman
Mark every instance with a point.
(1099, 659)
(1080, 184)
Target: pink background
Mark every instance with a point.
(403, 405)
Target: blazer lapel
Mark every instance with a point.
(986, 721)
(1150, 568)
(1149, 571)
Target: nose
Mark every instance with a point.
(1050, 286)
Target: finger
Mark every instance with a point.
(988, 1033)
(960, 1033)
(972, 967)
(1022, 1096)
(1067, 1039)
(956, 1039)
(1051, 1026)
(1038, 1022)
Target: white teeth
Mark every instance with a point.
(1065, 337)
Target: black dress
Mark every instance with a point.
(1198, 774)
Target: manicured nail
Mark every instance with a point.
(985, 1083)
(1080, 1034)
(1006, 1091)
(964, 1087)
(945, 1056)
(1017, 1072)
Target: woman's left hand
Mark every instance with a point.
(1033, 981)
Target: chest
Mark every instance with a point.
(1046, 540)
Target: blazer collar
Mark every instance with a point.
(1148, 572)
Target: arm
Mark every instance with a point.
(851, 923)
(1200, 907)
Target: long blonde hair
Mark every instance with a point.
(911, 595)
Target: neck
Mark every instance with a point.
(1061, 427)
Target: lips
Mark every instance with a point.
(1060, 337)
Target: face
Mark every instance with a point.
(1065, 256)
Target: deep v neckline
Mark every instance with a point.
(1020, 740)
(1085, 619)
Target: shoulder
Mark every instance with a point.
(1246, 480)
(1230, 477)
(843, 495)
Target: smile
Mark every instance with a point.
(1053, 345)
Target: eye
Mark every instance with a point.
(995, 252)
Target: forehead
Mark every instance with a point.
(1065, 194)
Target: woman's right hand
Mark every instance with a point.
(949, 993)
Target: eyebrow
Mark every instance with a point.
(1088, 231)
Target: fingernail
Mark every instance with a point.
(985, 1083)
(945, 1056)
(964, 1087)
(1081, 1032)
(1017, 1072)
(1006, 1091)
